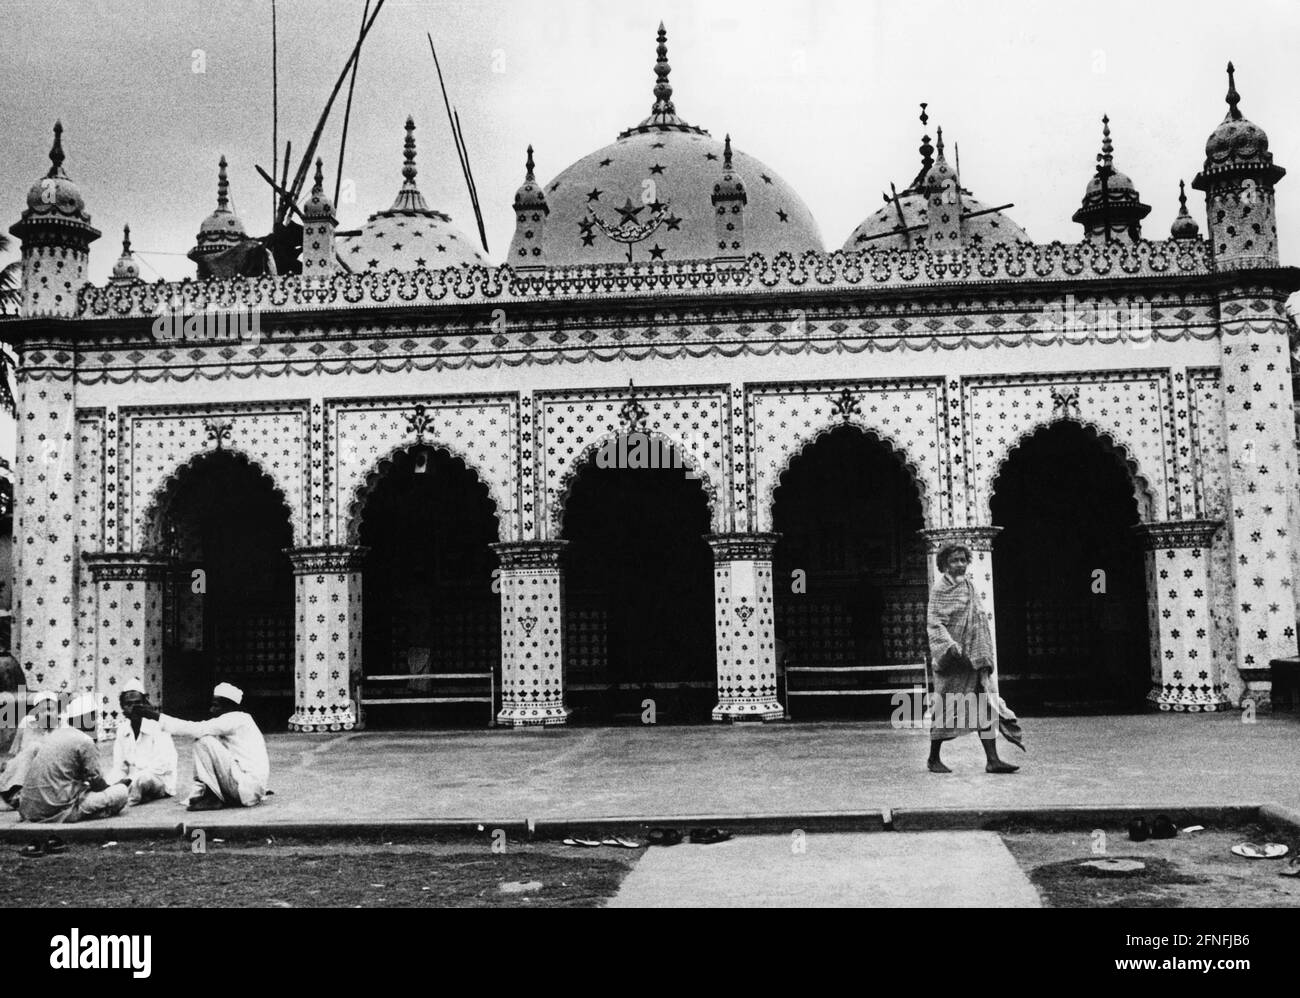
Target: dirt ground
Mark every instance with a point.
(161, 874)
(1194, 870)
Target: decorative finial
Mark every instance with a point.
(318, 187)
(1182, 198)
(939, 140)
(223, 186)
(56, 152)
(726, 153)
(663, 90)
(528, 167)
(408, 170)
(1233, 97)
(1107, 155)
(926, 150)
(126, 240)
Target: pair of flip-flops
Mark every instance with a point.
(699, 836)
(1261, 850)
(50, 847)
(1162, 827)
(616, 841)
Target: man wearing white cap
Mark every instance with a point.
(142, 750)
(64, 781)
(42, 718)
(231, 767)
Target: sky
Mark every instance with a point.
(152, 93)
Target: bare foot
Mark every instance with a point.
(935, 766)
(1000, 767)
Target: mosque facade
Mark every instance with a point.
(672, 451)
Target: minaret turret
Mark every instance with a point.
(729, 200)
(318, 225)
(1238, 180)
(56, 234)
(531, 210)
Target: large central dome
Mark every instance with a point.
(650, 194)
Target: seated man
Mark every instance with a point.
(142, 750)
(64, 781)
(41, 719)
(231, 767)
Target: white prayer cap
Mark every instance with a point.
(80, 705)
(133, 686)
(232, 693)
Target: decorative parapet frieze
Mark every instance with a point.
(517, 555)
(856, 269)
(742, 547)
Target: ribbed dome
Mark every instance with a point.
(223, 228)
(410, 235)
(1237, 144)
(127, 268)
(652, 189)
(55, 193)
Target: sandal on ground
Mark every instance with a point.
(584, 843)
(664, 837)
(708, 836)
(32, 850)
(1292, 868)
(54, 845)
(1260, 850)
(620, 843)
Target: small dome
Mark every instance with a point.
(127, 267)
(318, 207)
(1237, 143)
(903, 221)
(408, 236)
(650, 193)
(223, 227)
(55, 193)
(1184, 226)
(530, 196)
(1111, 198)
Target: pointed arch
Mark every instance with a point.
(1143, 493)
(694, 467)
(384, 466)
(151, 520)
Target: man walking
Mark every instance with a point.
(965, 683)
(231, 767)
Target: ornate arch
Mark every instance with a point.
(150, 521)
(692, 462)
(799, 446)
(383, 467)
(1143, 494)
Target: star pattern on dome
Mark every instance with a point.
(656, 169)
(594, 194)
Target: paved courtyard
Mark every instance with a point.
(576, 774)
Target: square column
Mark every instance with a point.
(744, 627)
(128, 626)
(1185, 672)
(532, 633)
(327, 638)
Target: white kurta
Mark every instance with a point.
(239, 735)
(152, 753)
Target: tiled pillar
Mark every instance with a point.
(1260, 423)
(128, 627)
(744, 627)
(980, 541)
(532, 633)
(327, 638)
(1185, 671)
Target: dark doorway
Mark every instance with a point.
(849, 517)
(228, 607)
(638, 596)
(429, 609)
(1066, 506)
